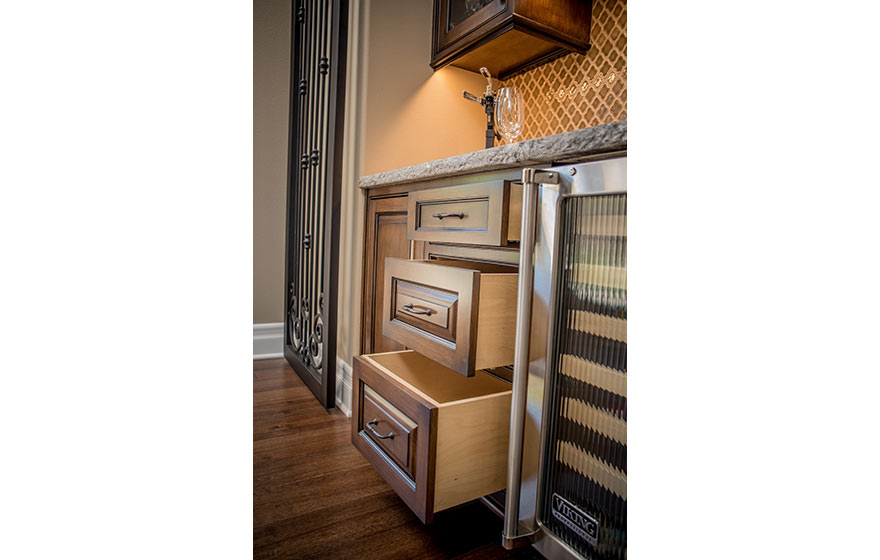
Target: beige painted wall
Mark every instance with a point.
(271, 84)
(413, 114)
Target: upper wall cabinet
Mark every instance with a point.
(507, 36)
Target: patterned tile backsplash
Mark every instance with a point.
(578, 91)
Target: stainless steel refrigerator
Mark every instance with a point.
(566, 487)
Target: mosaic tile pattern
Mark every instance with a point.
(578, 91)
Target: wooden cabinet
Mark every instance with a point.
(437, 438)
(439, 306)
(507, 35)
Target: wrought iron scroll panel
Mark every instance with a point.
(316, 93)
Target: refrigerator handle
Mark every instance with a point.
(531, 178)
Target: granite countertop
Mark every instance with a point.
(609, 137)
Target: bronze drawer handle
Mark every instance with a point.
(409, 307)
(441, 215)
(372, 423)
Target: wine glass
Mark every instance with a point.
(509, 112)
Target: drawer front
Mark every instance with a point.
(475, 214)
(432, 309)
(429, 309)
(395, 408)
(389, 428)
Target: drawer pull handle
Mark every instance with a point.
(441, 215)
(372, 423)
(409, 307)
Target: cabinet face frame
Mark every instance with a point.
(376, 209)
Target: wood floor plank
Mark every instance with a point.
(315, 496)
(340, 525)
(275, 364)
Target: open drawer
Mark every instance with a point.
(437, 438)
(459, 313)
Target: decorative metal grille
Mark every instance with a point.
(313, 189)
(584, 486)
(579, 91)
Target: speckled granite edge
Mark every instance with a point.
(609, 137)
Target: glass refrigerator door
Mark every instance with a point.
(583, 485)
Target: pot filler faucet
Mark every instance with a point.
(488, 103)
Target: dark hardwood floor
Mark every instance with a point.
(315, 496)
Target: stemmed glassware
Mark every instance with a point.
(509, 113)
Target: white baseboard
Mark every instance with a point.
(268, 338)
(343, 387)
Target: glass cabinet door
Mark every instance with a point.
(457, 18)
(460, 10)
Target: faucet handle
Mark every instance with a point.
(471, 97)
